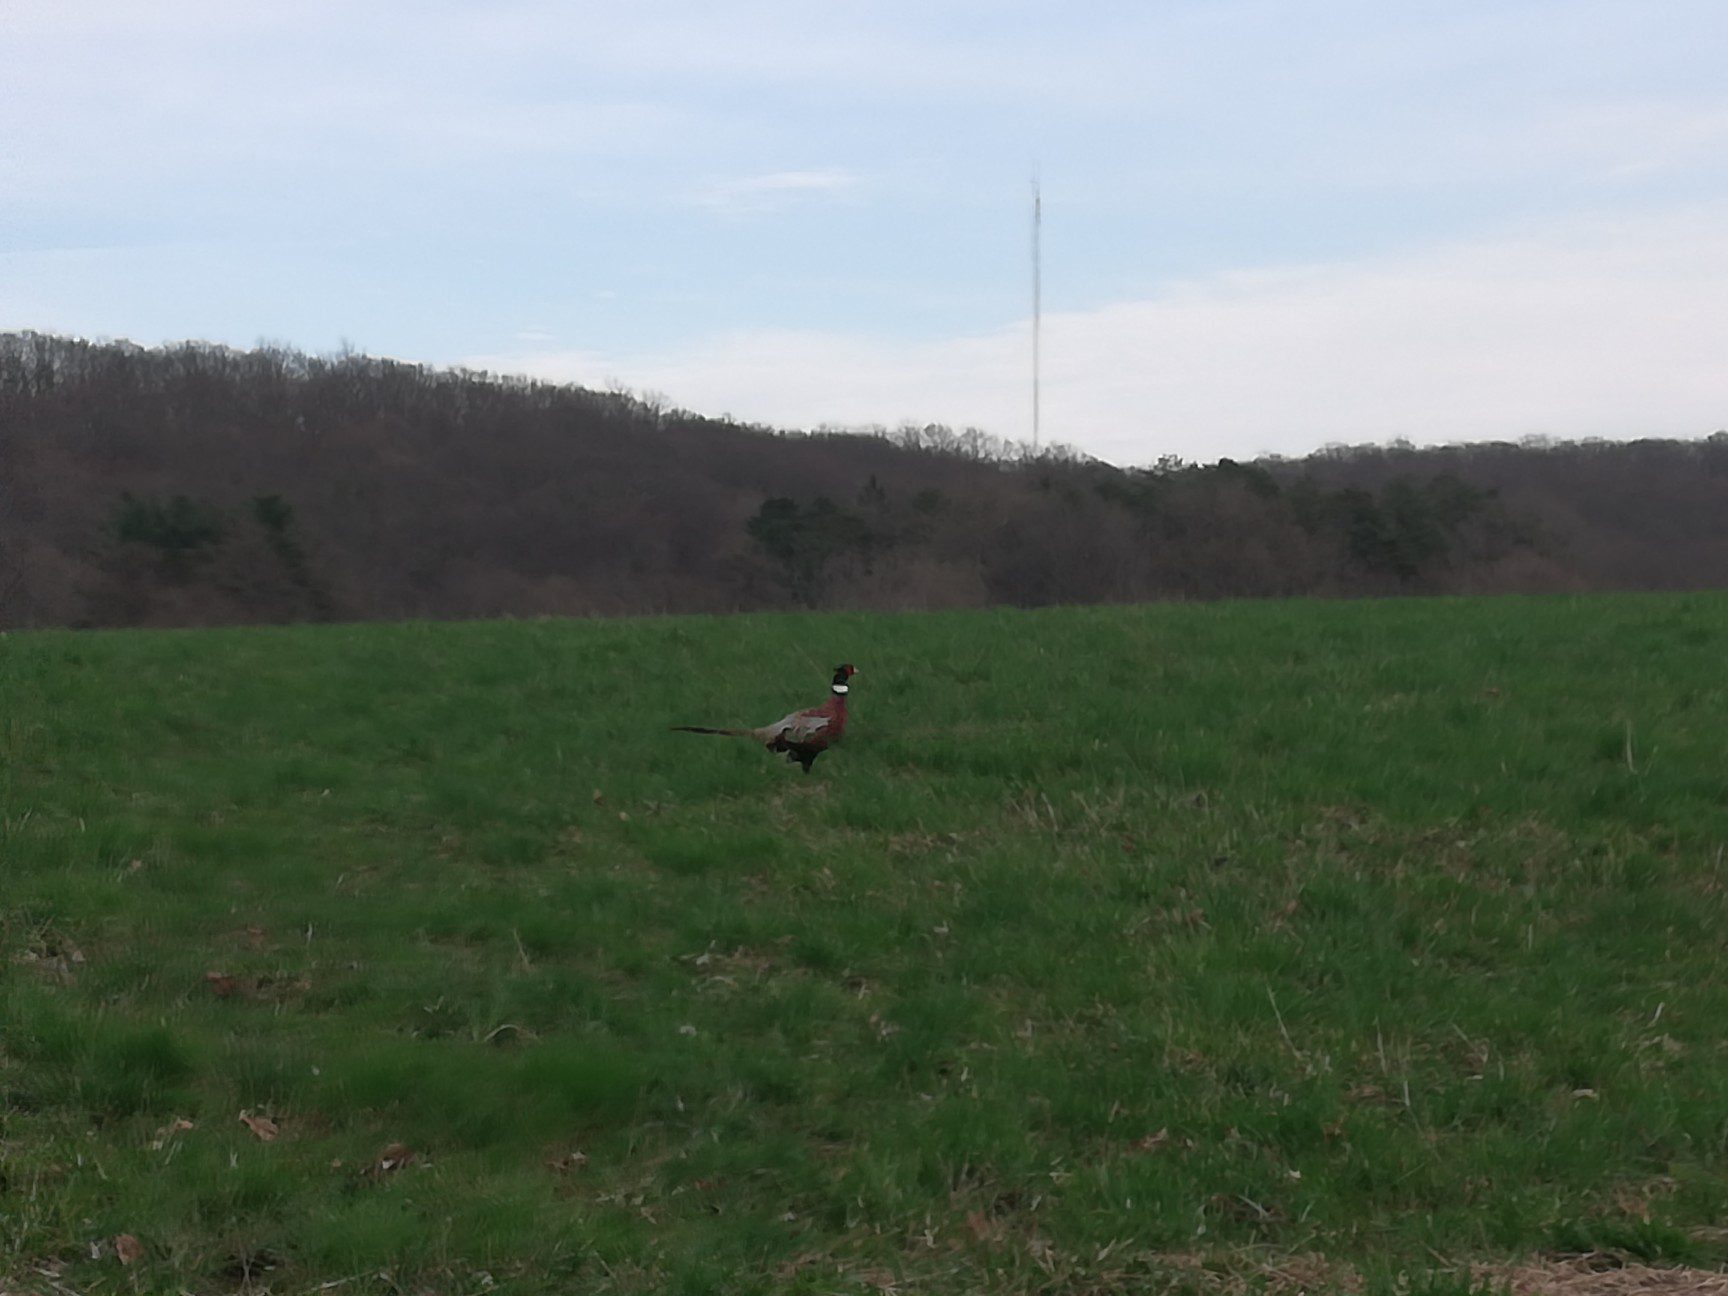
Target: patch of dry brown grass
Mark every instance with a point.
(1601, 1275)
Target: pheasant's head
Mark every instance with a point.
(842, 678)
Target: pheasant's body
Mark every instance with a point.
(802, 735)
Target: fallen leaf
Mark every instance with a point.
(221, 984)
(1152, 1142)
(179, 1125)
(265, 1128)
(980, 1226)
(128, 1248)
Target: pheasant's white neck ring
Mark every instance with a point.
(841, 688)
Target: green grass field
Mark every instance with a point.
(1116, 949)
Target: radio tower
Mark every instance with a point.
(1037, 298)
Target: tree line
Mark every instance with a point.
(198, 484)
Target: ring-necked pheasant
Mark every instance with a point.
(803, 735)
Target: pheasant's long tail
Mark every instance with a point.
(729, 733)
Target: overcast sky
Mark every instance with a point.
(1269, 224)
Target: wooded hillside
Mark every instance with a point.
(195, 484)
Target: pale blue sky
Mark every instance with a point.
(1268, 225)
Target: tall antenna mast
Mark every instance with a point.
(1037, 298)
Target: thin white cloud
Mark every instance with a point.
(1609, 328)
(1611, 139)
(1640, 138)
(766, 192)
